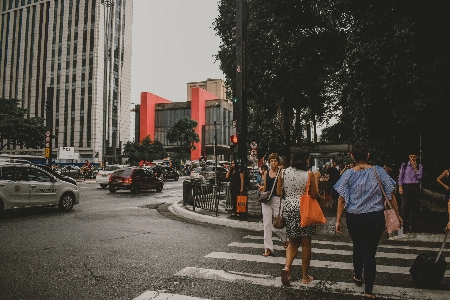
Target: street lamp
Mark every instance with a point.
(107, 4)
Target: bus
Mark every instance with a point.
(39, 160)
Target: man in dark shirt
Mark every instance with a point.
(333, 177)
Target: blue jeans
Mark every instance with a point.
(365, 230)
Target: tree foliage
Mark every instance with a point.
(148, 150)
(182, 133)
(17, 128)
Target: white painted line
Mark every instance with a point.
(328, 251)
(314, 263)
(153, 295)
(318, 285)
(324, 242)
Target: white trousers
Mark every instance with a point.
(270, 210)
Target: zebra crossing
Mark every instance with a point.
(393, 261)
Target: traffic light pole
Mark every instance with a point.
(240, 102)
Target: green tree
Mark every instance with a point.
(182, 134)
(17, 128)
(148, 150)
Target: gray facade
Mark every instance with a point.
(60, 44)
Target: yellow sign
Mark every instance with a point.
(47, 152)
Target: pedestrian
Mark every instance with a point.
(409, 189)
(236, 177)
(444, 180)
(271, 208)
(361, 197)
(260, 179)
(293, 181)
(333, 175)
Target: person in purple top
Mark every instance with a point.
(409, 189)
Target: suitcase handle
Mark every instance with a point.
(442, 247)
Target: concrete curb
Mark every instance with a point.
(179, 210)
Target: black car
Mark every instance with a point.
(135, 180)
(209, 172)
(170, 173)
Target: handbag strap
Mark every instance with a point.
(386, 201)
(307, 184)
(275, 181)
(279, 208)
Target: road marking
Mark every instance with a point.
(314, 263)
(319, 285)
(327, 251)
(153, 295)
(255, 237)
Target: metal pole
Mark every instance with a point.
(106, 11)
(215, 153)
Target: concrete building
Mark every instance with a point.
(213, 86)
(60, 44)
(156, 115)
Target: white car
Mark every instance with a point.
(102, 177)
(26, 185)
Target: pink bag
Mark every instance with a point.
(392, 221)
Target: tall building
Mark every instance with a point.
(61, 44)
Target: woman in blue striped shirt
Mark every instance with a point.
(361, 197)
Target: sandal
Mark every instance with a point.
(369, 296)
(268, 253)
(286, 244)
(358, 282)
(285, 280)
(306, 281)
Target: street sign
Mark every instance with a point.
(253, 153)
(47, 133)
(253, 145)
(47, 152)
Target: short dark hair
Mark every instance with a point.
(264, 167)
(360, 152)
(300, 159)
(413, 151)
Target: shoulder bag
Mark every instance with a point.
(310, 211)
(392, 221)
(264, 197)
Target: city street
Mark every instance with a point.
(125, 246)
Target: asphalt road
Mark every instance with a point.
(121, 246)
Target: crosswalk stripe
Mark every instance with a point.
(154, 295)
(327, 251)
(314, 263)
(320, 285)
(322, 242)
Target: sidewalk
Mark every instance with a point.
(431, 223)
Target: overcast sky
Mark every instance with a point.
(173, 44)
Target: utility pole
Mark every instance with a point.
(240, 93)
(49, 125)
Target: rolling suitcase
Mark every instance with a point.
(429, 268)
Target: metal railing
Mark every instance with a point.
(204, 196)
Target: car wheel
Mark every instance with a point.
(135, 189)
(176, 178)
(104, 186)
(66, 202)
(112, 189)
(159, 189)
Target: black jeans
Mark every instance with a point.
(365, 230)
(410, 204)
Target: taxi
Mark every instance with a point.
(26, 185)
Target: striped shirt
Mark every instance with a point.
(361, 191)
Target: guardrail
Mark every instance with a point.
(205, 196)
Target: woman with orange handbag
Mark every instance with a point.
(294, 181)
(361, 196)
(236, 178)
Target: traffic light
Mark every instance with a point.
(234, 139)
(233, 38)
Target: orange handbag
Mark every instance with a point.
(310, 211)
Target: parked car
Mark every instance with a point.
(26, 185)
(135, 180)
(209, 172)
(170, 173)
(102, 177)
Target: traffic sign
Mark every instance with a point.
(47, 152)
(253, 153)
(47, 133)
(253, 145)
